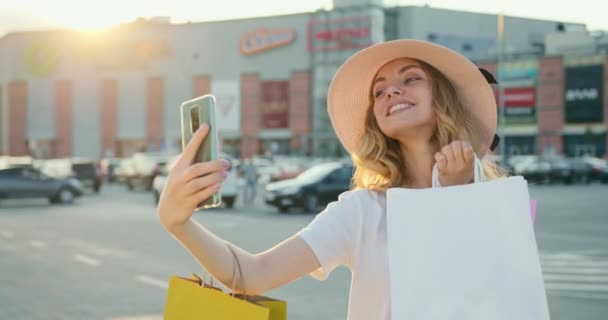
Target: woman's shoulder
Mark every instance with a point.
(363, 198)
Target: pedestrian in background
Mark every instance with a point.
(250, 175)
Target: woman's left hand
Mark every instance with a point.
(455, 163)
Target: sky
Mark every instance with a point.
(17, 15)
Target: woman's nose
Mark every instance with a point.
(393, 91)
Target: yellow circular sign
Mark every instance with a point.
(41, 59)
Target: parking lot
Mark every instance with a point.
(107, 257)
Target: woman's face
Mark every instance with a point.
(403, 102)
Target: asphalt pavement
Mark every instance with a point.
(107, 257)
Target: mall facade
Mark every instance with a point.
(65, 93)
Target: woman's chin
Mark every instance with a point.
(405, 130)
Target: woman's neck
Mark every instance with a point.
(419, 159)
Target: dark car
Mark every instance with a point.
(581, 171)
(317, 186)
(561, 170)
(598, 169)
(532, 168)
(88, 173)
(31, 183)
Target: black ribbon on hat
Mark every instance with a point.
(491, 80)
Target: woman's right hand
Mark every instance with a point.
(189, 184)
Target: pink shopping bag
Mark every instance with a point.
(533, 210)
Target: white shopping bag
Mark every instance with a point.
(464, 252)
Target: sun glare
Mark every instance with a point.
(88, 24)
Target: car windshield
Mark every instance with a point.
(560, 163)
(318, 172)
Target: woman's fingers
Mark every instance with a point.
(204, 182)
(456, 147)
(449, 155)
(191, 148)
(441, 161)
(455, 163)
(205, 193)
(204, 168)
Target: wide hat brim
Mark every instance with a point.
(349, 91)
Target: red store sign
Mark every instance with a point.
(519, 97)
(332, 35)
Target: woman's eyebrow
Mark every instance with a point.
(404, 69)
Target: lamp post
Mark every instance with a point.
(501, 107)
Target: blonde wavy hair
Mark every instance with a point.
(378, 161)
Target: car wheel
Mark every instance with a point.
(156, 196)
(283, 209)
(130, 185)
(311, 203)
(65, 196)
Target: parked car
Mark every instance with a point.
(265, 168)
(109, 168)
(142, 168)
(316, 186)
(14, 162)
(598, 169)
(88, 172)
(23, 182)
(287, 170)
(581, 171)
(532, 168)
(229, 190)
(125, 171)
(561, 170)
(230, 186)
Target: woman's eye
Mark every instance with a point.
(411, 79)
(379, 93)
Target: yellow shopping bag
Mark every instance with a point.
(192, 298)
(277, 308)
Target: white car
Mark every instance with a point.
(229, 190)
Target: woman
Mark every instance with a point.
(398, 108)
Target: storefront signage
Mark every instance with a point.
(519, 97)
(275, 104)
(519, 105)
(583, 94)
(517, 70)
(228, 104)
(339, 34)
(262, 40)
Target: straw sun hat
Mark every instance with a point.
(349, 91)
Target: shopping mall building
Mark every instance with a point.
(65, 93)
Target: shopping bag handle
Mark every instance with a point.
(203, 281)
(478, 173)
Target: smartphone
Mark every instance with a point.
(194, 113)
